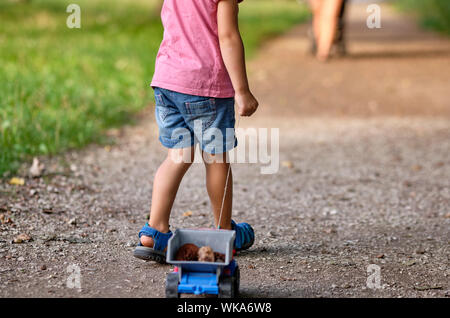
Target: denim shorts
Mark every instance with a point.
(185, 120)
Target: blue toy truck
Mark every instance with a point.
(200, 278)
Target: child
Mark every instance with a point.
(200, 73)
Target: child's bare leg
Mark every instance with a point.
(165, 186)
(216, 176)
(315, 8)
(329, 16)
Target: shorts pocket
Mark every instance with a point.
(230, 103)
(159, 100)
(161, 113)
(161, 109)
(205, 111)
(202, 107)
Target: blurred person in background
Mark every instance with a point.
(327, 27)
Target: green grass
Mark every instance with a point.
(262, 19)
(433, 14)
(62, 88)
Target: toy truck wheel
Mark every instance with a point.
(236, 280)
(226, 288)
(172, 285)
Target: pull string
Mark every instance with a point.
(226, 181)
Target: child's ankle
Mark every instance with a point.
(163, 228)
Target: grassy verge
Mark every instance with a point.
(433, 14)
(61, 88)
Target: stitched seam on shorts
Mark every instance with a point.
(163, 112)
(212, 102)
(159, 100)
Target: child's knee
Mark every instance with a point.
(215, 158)
(179, 164)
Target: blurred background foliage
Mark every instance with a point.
(62, 88)
(434, 14)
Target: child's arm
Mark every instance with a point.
(232, 51)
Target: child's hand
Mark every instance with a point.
(246, 103)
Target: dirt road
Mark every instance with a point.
(364, 179)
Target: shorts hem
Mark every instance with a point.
(228, 146)
(175, 144)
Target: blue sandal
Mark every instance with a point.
(160, 241)
(245, 236)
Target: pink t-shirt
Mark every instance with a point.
(189, 60)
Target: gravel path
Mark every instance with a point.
(364, 179)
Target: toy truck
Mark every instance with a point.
(203, 278)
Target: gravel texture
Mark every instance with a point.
(364, 179)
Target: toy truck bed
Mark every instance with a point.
(192, 277)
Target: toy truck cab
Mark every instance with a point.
(200, 278)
